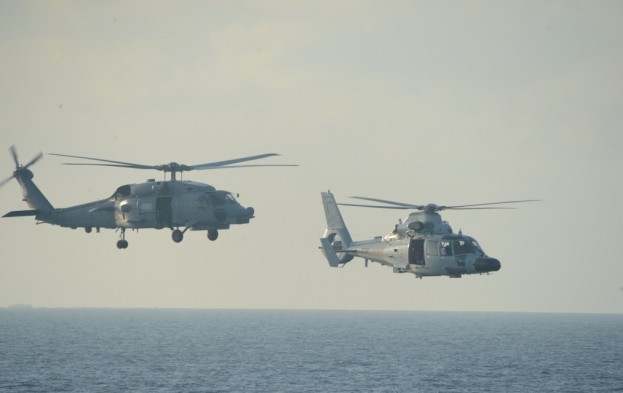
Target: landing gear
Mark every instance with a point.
(122, 243)
(177, 235)
(212, 234)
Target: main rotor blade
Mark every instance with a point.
(406, 205)
(244, 166)
(378, 206)
(401, 205)
(171, 167)
(216, 164)
(474, 208)
(121, 163)
(489, 203)
(113, 165)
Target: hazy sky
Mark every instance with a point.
(417, 101)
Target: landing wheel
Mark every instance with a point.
(122, 243)
(177, 236)
(212, 234)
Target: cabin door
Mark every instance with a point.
(416, 252)
(164, 211)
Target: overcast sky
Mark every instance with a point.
(416, 101)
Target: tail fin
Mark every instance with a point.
(336, 238)
(32, 195)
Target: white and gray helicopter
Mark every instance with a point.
(423, 244)
(176, 204)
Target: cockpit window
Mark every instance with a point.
(463, 246)
(221, 198)
(477, 248)
(216, 198)
(122, 192)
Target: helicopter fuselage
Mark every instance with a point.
(436, 255)
(423, 245)
(156, 204)
(176, 204)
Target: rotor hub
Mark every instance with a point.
(431, 208)
(23, 173)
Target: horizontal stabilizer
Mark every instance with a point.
(21, 213)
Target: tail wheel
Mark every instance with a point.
(177, 236)
(212, 234)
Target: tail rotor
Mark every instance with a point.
(21, 171)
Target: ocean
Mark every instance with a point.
(154, 350)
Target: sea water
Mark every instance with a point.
(137, 350)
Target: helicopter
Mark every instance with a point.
(423, 244)
(176, 204)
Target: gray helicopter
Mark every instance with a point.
(176, 204)
(423, 244)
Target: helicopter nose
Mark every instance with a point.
(483, 265)
(246, 214)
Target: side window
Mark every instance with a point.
(146, 207)
(432, 248)
(445, 248)
(202, 202)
